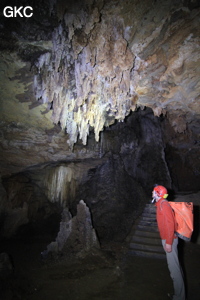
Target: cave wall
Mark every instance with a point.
(97, 99)
(184, 168)
(182, 154)
(115, 186)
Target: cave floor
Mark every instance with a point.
(102, 275)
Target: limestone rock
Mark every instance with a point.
(76, 235)
(100, 63)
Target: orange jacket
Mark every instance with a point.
(166, 221)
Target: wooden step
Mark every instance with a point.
(147, 228)
(147, 247)
(151, 234)
(148, 215)
(147, 218)
(150, 208)
(148, 223)
(147, 254)
(145, 239)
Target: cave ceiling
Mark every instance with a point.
(77, 67)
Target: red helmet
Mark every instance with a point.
(161, 191)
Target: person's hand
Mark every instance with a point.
(168, 248)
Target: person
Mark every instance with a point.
(166, 226)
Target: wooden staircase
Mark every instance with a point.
(145, 239)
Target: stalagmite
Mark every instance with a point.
(76, 235)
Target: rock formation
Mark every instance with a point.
(97, 94)
(76, 235)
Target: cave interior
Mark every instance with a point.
(99, 101)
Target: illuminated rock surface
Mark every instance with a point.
(99, 100)
(98, 87)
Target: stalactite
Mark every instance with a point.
(58, 183)
(84, 82)
(102, 65)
